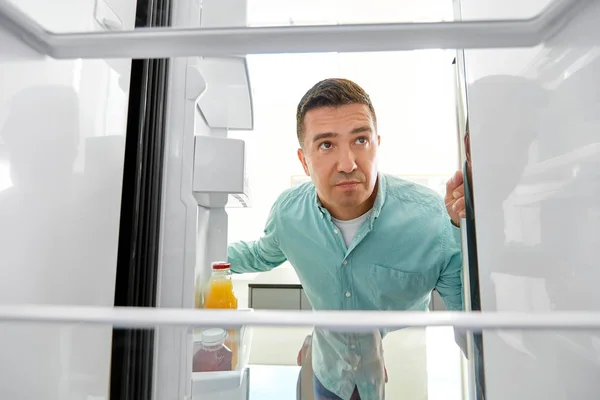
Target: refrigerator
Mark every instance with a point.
(116, 170)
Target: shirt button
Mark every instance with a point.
(335, 231)
(355, 368)
(345, 262)
(352, 346)
(348, 294)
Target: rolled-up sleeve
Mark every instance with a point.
(260, 255)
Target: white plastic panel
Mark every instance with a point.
(194, 236)
(534, 120)
(232, 385)
(227, 101)
(219, 165)
(107, 17)
(31, 320)
(62, 139)
(224, 13)
(136, 317)
(78, 16)
(176, 42)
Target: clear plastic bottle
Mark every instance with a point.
(220, 287)
(211, 354)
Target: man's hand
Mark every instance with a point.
(455, 198)
(300, 357)
(307, 343)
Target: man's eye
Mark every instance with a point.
(362, 140)
(325, 145)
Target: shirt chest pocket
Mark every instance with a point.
(394, 289)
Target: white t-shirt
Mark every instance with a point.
(349, 228)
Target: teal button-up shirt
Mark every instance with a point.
(402, 251)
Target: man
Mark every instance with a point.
(358, 239)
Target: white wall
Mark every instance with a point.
(413, 95)
(534, 123)
(62, 127)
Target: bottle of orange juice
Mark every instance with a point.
(220, 295)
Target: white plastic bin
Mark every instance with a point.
(227, 385)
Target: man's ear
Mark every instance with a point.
(378, 140)
(302, 159)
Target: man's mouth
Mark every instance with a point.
(347, 184)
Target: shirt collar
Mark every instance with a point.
(380, 198)
(377, 206)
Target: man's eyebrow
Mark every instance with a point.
(329, 135)
(361, 129)
(324, 135)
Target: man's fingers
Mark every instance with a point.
(454, 182)
(459, 207)
(455, 197)
(301, 355)
(449, 203)
(459, 191)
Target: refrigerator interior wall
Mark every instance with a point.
(62, 136)
(534, 124)
(185, 243)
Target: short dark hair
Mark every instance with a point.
(333, 92)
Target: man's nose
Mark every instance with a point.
(346, 161)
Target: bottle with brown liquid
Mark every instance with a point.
(211, 353)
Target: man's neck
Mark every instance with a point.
(348, 214)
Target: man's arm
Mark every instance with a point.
(449, 284)
(261, 255)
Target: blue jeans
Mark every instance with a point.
(321, 393)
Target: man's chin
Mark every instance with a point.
(350, 202)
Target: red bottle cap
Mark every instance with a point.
(221, 265)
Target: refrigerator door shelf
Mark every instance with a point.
(204, 383)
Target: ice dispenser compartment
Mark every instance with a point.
(228, 156)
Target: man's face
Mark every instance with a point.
(340, 155)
